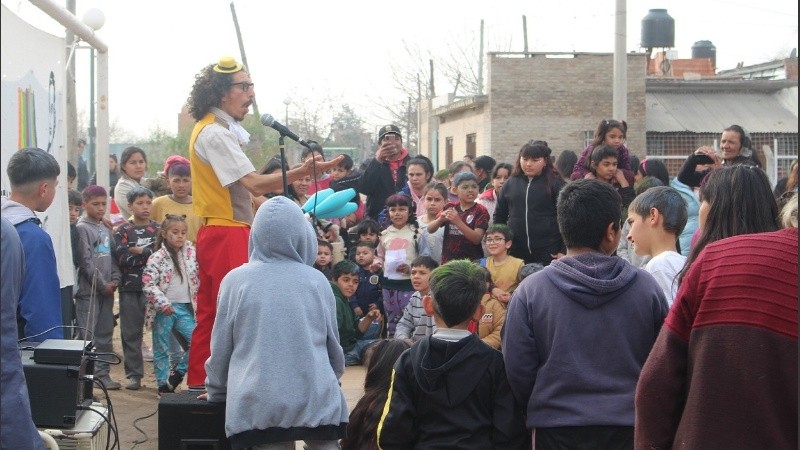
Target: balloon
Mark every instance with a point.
(348, 208)
(333, 202)
(316, 199)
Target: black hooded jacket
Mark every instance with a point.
(448, 395)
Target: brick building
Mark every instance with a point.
(561, 97)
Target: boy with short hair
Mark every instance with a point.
(355, 334)
(450, 390)
(657, 217)
(98, 278)
(578, 332)
(415, 323)
(179, 201)
(504, 268)
(324, 261)
(134, 244)
(464, 222)
(369, 294)
(33, 176)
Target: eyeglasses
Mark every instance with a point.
(495, 240)
(244, 85)
(466, 187)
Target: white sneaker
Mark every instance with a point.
(147, 353)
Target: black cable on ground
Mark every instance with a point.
(146, 437)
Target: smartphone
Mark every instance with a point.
(704, 159)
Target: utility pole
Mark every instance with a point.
(480, 64)
(69, 93)
(620, 97)
(241, 50)
(525, 33)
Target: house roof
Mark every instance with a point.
(701, 107)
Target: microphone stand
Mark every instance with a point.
(282, 146)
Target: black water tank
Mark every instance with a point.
(658, 29)
(705, 49)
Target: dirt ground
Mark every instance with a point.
(132, 408)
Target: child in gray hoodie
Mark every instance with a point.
(275, 354)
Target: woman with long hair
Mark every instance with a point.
(363, 426)
(527, 204)
(133, 165)
(735, 148)
(734, 200)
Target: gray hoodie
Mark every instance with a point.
(94, 257)
(275, 353)
(576, 336)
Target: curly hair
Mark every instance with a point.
(208, 90)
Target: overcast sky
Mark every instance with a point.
(315, 48)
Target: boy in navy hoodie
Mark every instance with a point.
(578, 332)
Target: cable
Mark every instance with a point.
(111, 412)
(135, 421)
(53, 328)
(110, 426)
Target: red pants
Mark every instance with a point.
(220, 249)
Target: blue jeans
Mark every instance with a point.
(182, 320)
(354, 356)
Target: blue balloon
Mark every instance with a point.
(316, 199)
(333, 202)
(348, 208)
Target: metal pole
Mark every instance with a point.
(90, 163)
(620, 100)
(241, 50)
(525, 34)
(283, 166)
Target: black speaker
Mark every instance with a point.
(186, 423)
(56, 392)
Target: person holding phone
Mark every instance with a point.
(735, 148)
(385, 174)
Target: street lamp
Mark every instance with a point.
(94, 19)
(287, 101)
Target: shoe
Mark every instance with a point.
(165, 389)
(134, 385)
(110, 384)
(147, 353)
(175, 379)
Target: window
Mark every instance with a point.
(448, 151)
(588, 138)
(471, 144)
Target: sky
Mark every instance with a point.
(307, 50)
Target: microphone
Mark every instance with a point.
(269, 121)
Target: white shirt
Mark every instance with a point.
(665, 268)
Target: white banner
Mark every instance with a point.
(33, 108)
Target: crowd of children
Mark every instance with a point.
(439, 270)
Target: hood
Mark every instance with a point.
(592, 279)
(281, 232)
(15, 212)
(448, 372)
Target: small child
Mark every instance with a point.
(367, 230)
(324, 261)
(355, 334)
(179, 202)
(504, 268)
(657, 217)
(171, 279)
(529, 269)
(380, 360)
(369, 294)
(435, 199)
(416, 323)
(75, 202)
(134, 240)
(98, 278)
(603, 165)
(396, 249)
(449, 390)
(494, 314)
(344, 176)
(464, 222)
